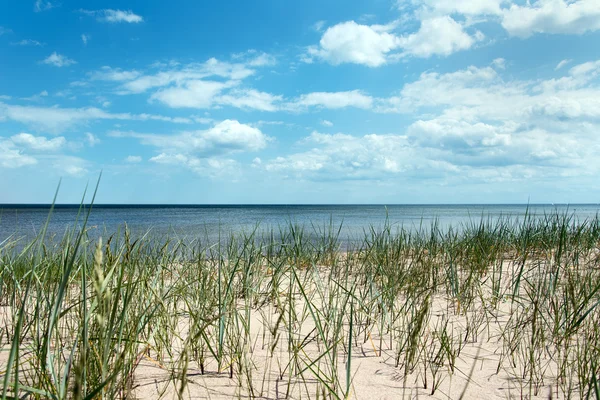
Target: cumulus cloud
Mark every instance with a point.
(553, 17)
(25, 149)
(341, 156)
(192, 94)
(225, 137)
(473, 125)
(10, 157)
(39, 143)
(58, 60)
(205, 151)
(375, 45)
(483, 119)
(350, 42)
(114, 16)
(85, 38)
(438, 36)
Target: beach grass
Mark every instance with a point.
(499, 307)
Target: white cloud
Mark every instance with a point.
(11, 150)
(121, 16)
(375, 45)
(326, 123)
(228, 136)
(71, 165)
(192, 94)
(57, 119)
(499, 63)
(37, 97)
(342, 156)
(438, 36)
(107, 73)
(39, 143)
(58, 60)
(479, 144)
(85, 38)
(334, 100)
(91, 139)
(211, 84)
(196, 71)
(255, 58)
(578, 77)
(553, 17)
(250, 99)
(474, 126)
(28, 42)
(318, 26)
(562, 64)
(206, 94)
(13, 158)
(212, 167)
(43, 5)
(133, 159)
(151, 117)
(46, 153)
(465, 87)
(485, 120)
(54, 119)
(114, 16)
(349, 42)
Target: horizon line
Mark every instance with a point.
(149, 205)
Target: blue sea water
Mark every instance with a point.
(212, 221)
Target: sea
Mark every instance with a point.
(23, 222)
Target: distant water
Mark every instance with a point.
(208, 221)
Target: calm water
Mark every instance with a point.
(207, 221)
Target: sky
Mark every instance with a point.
(329, 101)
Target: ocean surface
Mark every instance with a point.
(210, 222)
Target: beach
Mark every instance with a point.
(503, 308)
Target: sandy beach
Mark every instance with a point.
(470, 316)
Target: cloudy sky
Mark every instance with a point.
(328, 101)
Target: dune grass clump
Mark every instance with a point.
(506, 307)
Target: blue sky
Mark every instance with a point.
(395, 101)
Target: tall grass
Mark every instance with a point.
(290, 313)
